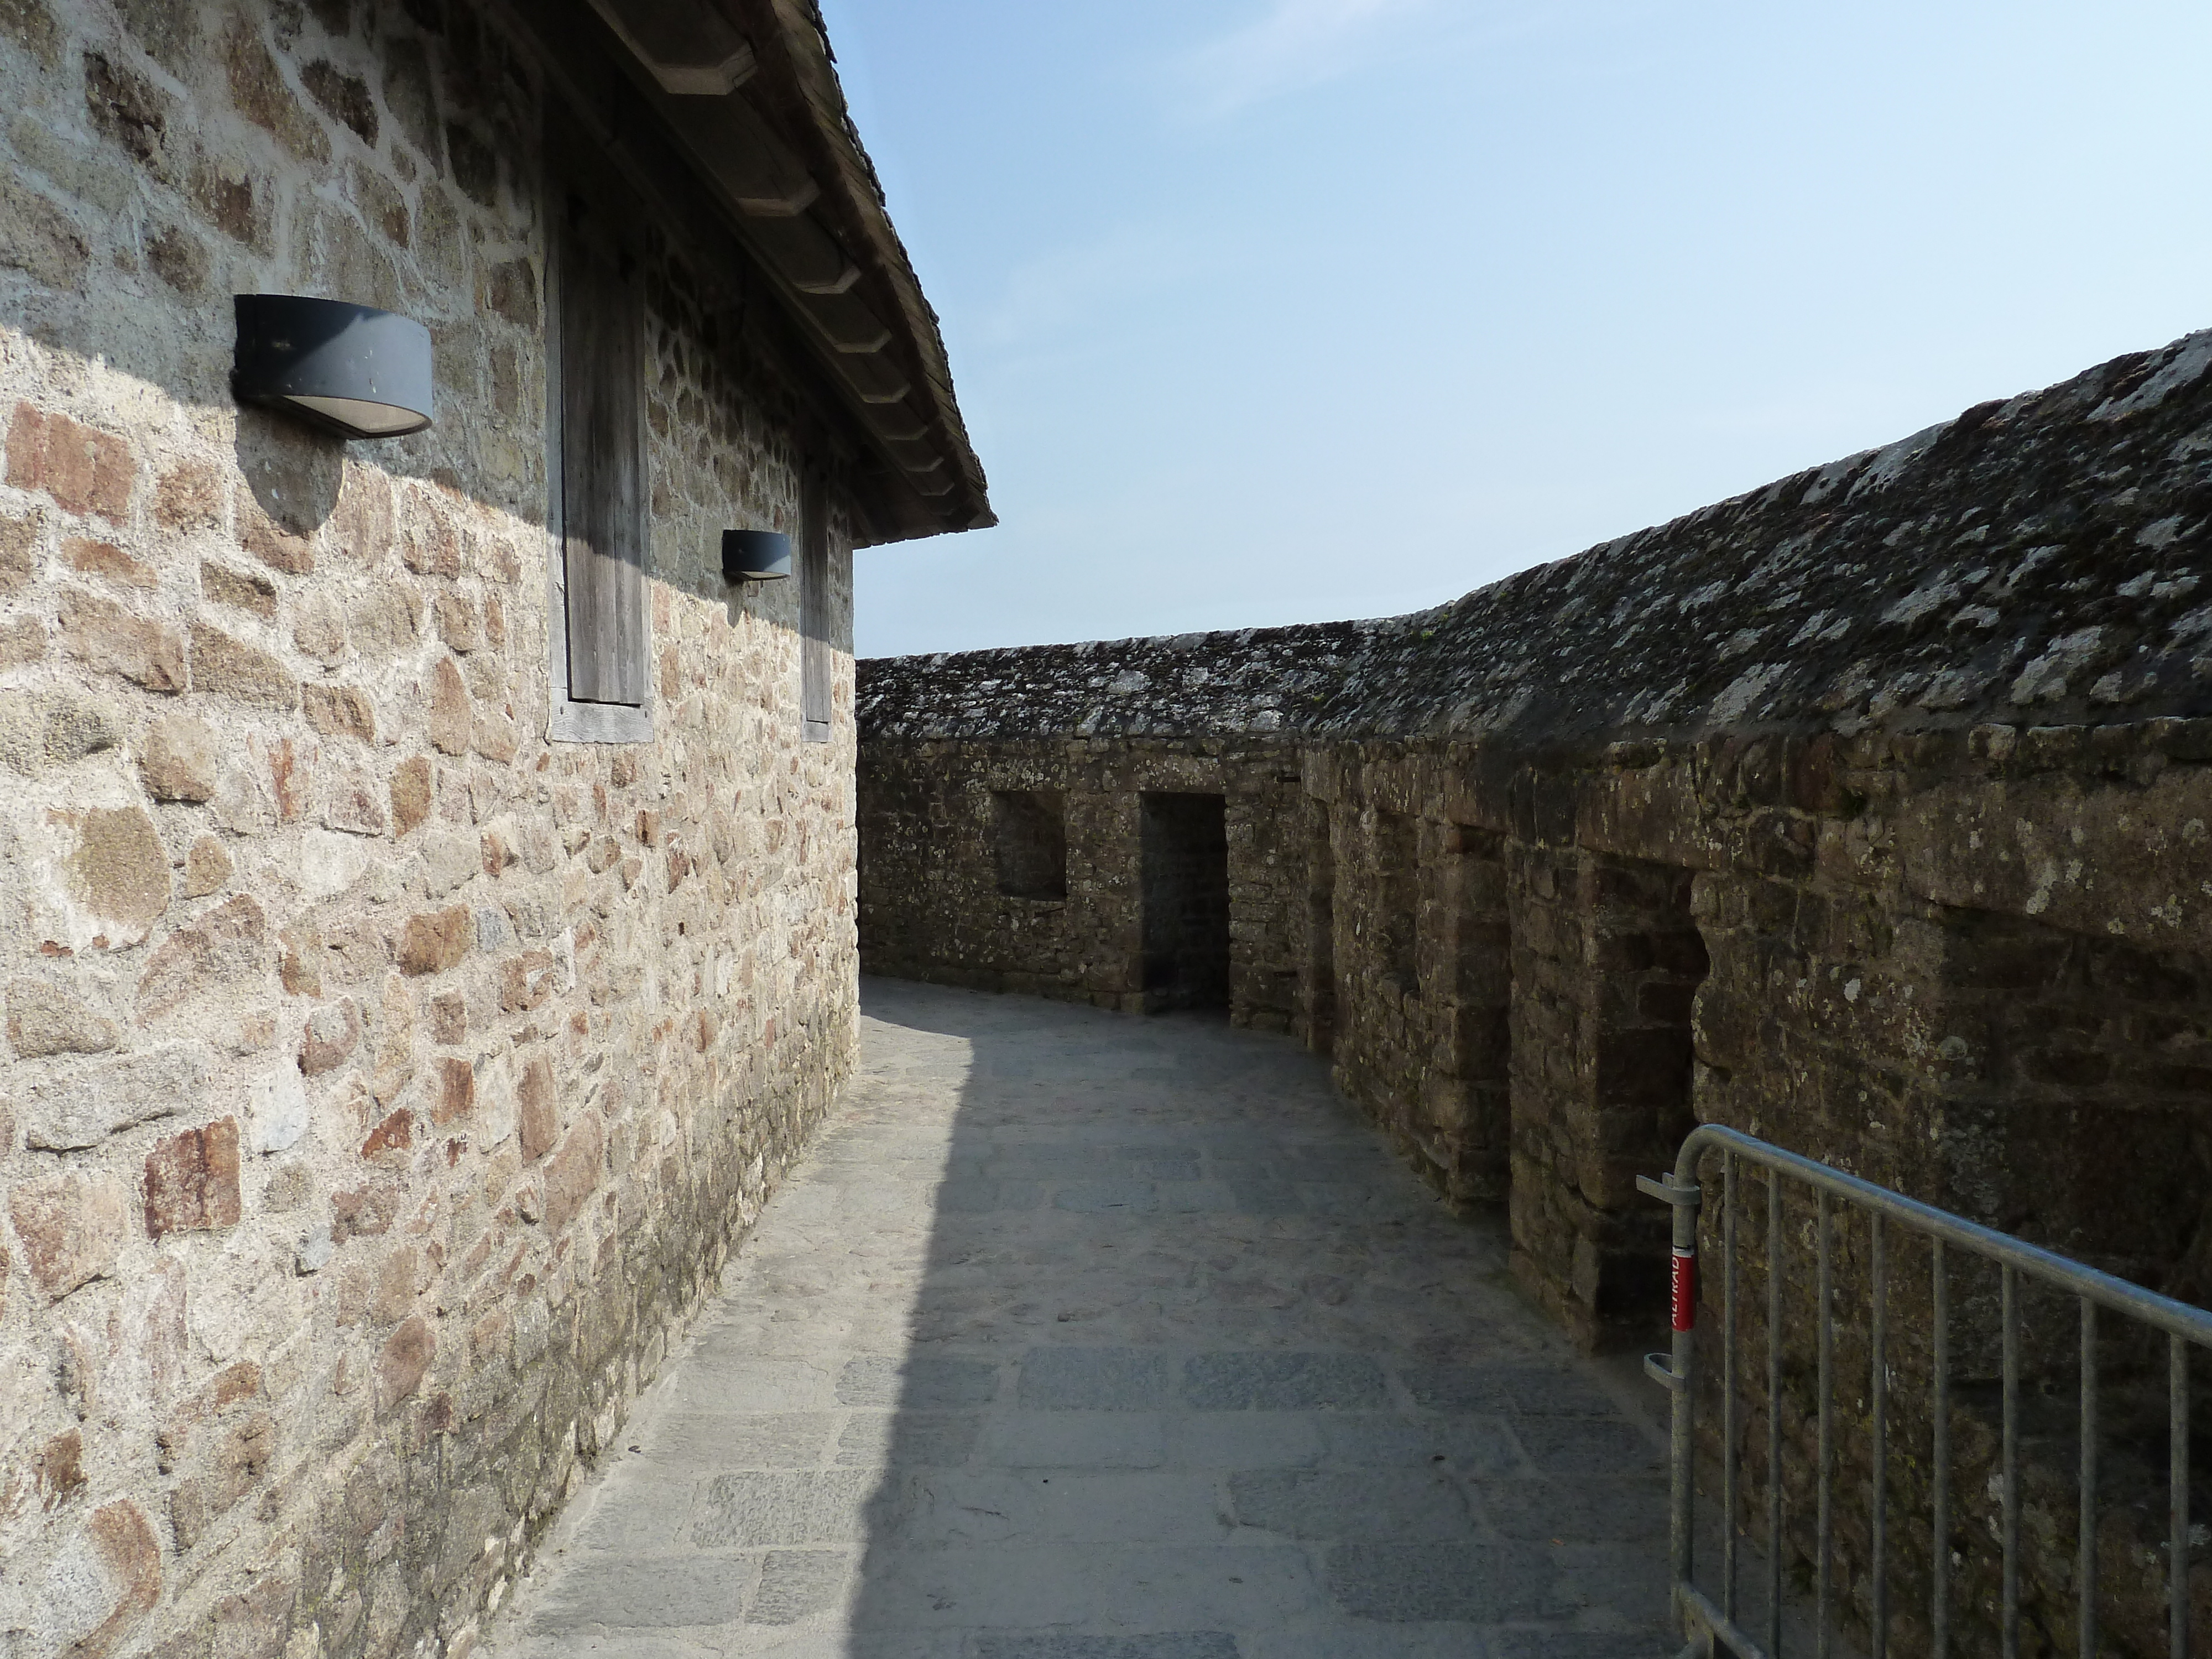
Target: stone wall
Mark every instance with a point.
(933, 903)
(1865, 812)
(383, 1084)
(1878, 703)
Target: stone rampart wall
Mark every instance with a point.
(1960, 678)
(1865, 812)
(383, 1084)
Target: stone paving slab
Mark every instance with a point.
(1082, 1336)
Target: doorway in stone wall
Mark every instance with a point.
(1319, 972)
(1185, 894)
(1469, 1093)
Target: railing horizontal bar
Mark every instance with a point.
(2175, 1318)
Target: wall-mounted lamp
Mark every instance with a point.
(755, 555)
(346, 368)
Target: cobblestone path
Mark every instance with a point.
(1083, 1336)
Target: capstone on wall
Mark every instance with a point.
(382, 1083)
(1866, 812)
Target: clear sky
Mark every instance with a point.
(1271, 311)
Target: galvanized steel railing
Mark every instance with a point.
(1710, 1625)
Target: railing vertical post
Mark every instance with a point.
(2008, 1474)
(2086, 1570)
(1939, 1578)
(1774, 1412)
(1825, 1478)
(1878, 1389)
(1683, 1295)
(1678, 1190)
(1728, 1385)
(2177, 1564)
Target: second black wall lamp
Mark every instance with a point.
(755, 555)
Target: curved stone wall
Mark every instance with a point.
(1866, 811)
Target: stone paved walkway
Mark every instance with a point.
(1085, 1336)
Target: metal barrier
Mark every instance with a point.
(1710, 1624)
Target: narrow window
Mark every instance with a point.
(815, 622)
(1028, 842)
(601, 659)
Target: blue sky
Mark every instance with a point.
(1271, 311)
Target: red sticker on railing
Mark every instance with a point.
(1685, 1287)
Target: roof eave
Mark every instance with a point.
(744, 93)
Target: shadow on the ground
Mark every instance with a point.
(1196, 1370)
(1091, 1336)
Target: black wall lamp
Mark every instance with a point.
(348, 369)
(755, 555)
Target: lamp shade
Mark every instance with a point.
(755, 555)
(346, 368)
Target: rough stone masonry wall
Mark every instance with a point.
(1951, 679)
(1865, 812)
(930, 904)
(383, 1084)
(2045, 1081)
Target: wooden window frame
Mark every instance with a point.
(818, 663)
(568, 719)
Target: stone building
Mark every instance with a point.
(428, 884)
(1865, 812)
